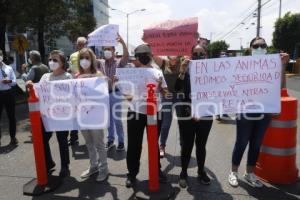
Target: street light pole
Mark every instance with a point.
(127, 21)
(258, 18)
(280, 8)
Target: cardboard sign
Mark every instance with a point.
(172, 37)
(248, 84)
(75, 104)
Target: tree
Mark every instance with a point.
(287, 32)
(81, 21)
(10, 17)
(47, 19)
(215, 48)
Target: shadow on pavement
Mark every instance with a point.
(7, 149)
(116, 155)
(166, 191)
(87, 189)
(270, 192)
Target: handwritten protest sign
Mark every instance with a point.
(172, 37)
(133, 81)
(77, 104)
(248, 84)
(105, 35)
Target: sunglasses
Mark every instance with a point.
(54, 60)
(256, 46)
(198, 54)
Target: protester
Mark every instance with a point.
(250, 128)
(74, 68)
(108, 67)
(191, 129)
(57, 65)
(94, 138)
(137, 118)
(170, 70)
(37, 69)
(7, 98)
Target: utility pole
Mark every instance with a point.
(258, 18)
(280, 1)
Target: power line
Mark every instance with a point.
(241, 22)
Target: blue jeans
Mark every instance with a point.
(252, 132)
(167, 116)
(115, 99)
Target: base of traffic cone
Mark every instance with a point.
(165, 191)
(33, 189)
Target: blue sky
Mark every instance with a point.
(215, 17)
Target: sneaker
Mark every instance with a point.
(89, 172)
(130, 181)
(162, 177)
(183, 180)
(233, 179)
(64, 172)
(103, 175)
(204, 179)
(109, 145)
(253, 180)
(121, 147)
(162, 151)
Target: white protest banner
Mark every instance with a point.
(247, 84)
(75, 104)
(133, 81)
(105, 35)
(172, 37)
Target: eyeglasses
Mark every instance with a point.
(256, 46)
(54, 60)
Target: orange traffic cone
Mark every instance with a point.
(277, 159)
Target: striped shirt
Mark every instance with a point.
(109, 68)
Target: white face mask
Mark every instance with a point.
(259, 51)
(1, 58)
(53, 65)
(29, 61)
(85, 64)
(107, 54)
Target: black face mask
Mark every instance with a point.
(144, 58)
(197, 56)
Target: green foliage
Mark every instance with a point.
(215, 48)
(81, 20)
(287, 32)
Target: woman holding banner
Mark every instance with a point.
(192, 130)
(94, 139)
(250, 128)
(57, 65)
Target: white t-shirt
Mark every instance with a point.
(139, 104)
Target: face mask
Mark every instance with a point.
(107, 54)
(53, 65)
(29, 61)
(1, 58)
(85, 64)
(259, 51)
(144, 59)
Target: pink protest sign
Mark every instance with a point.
(172, 37)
